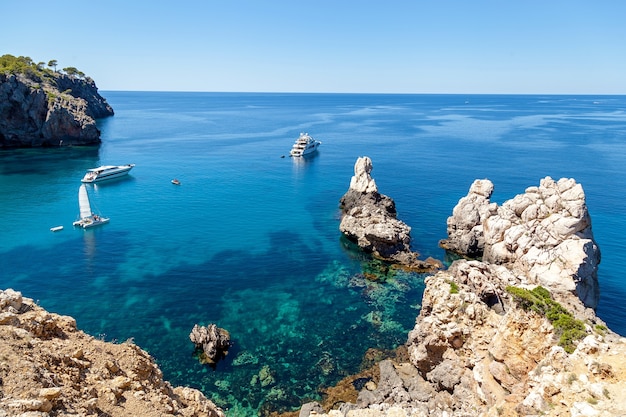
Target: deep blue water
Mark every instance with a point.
(250, 240)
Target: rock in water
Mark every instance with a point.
(369, 220)
(213, 341)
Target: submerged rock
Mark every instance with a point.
(369, 220)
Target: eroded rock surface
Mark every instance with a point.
(370, 220)
(477, 348)
(212, 340)
(52, 109)
(49, 368)
(472, 356)
(544, 234)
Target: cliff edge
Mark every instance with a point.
(513, 334)
(49, 368)
(40, 107)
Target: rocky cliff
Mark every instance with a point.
(44, 108)
(509, 335)
(544, 234)
(49, 368)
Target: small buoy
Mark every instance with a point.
(56, 228)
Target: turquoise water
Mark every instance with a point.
(250, 239)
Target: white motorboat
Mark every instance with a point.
(87, 217)
(106, 172)
(304, 145)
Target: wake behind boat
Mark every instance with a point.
(304, 145)
(106, 172)
(87, 217)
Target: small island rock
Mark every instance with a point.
(369, 220)
(213, 341)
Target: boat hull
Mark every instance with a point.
(304, 145)
(106, 174)
(89, 222)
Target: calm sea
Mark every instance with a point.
(250, 238)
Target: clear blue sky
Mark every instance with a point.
(456, 46)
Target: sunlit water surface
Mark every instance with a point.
(250, 238)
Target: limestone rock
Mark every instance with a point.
(362, 181)
(544, 234)
(475, 351)
(49, 110)
(49, 367)
(465, 226)
(213, 341)
(369, 219)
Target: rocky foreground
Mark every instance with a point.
(49, 368)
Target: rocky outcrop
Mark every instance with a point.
(49, 109)
(507, 335)
(49, 368)
(212, 341)
(544, 234)
(370, 220)
(465, 226)
(475, 351)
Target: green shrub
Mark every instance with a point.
(539, 300)
(454, 288)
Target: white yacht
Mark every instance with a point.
(304, 145)
(106, 172)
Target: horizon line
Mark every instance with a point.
(358, 93)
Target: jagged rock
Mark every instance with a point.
(362, 182)
(369, 220)
(544, 234)
(49, 110)
(475, 351)
(465, 226)
(213, 341)
(50, 368)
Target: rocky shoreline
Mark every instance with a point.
(41, 108)
(50, 368)
(513, 333)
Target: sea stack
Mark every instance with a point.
(213, 341)
(369, 219)
(511, 334)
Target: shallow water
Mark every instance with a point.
(250, 239)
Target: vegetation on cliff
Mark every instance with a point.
(40, 106)
(24, 65)
(539, 300)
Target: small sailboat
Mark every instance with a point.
(87, 217)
